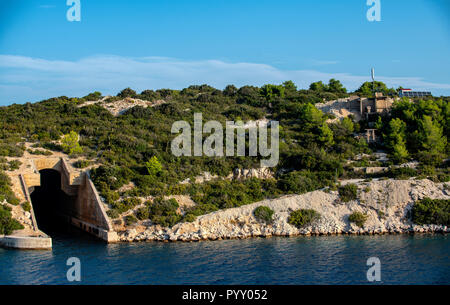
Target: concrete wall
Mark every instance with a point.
(32, 180)
(28, 198)
(353, 104)
(69, 181)
(365, 103)
(27, 243)
(384, 104)
(88, 212)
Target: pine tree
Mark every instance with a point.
(431, 136)
(153, 166)
(395, 140)
(70, 144)
(325, 135)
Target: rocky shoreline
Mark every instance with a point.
(167, 236)
(387, 203)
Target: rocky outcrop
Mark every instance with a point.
(237, 174)
(386, 202)
(341, 108)
(118, 107)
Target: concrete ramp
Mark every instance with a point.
(88, 212)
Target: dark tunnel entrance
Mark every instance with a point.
(50, 203)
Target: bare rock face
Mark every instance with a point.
(237, 174)
(121, 106)
(385, 202)
(341, 108)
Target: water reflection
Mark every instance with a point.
(303, 260)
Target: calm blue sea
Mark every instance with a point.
(405, 259)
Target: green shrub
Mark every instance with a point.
(429, 211)
(7, 223)
(202, 209)
(300, 182)
(189, 218)
(166, 221)
(130, 220)
(114, 214)
(5, 190)
(127, 92)
(402, 173)
(263, 214)
(39, 152)
(303, 217)
(110, 196)
(443, 177)
(110, 177)
(126, 204)
(14, 165)
(94, 96)
(164, 212)
(11, 199)
(358, 218)
(82, 163)
(223, 194)
(153, 166)
(348, 192)
(11, 150)
(143, 213)
(70, 145)
(26, 206)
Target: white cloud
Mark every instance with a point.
(29, 79)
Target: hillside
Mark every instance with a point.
(387, 206)
(125, 144)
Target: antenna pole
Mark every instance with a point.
(373, 80)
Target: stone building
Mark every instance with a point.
(378, 105)
(358, 107)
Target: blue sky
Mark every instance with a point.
(173, 44)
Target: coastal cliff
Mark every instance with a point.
(387, 204)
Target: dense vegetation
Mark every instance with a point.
(135, 146)
(5, 190)
(429, 211)
(418, 130)
(7, 223)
